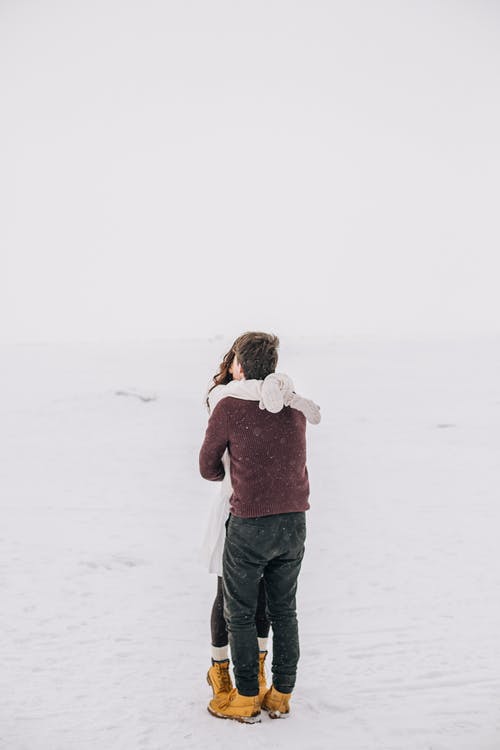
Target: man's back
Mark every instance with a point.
(268, 457)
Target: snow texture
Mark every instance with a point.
(105, 606)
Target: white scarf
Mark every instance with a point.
(272, 393)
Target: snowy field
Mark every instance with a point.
(105, 606)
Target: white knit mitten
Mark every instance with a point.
(277, 392)
(276, 389)
(308, 408)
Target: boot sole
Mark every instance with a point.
(242, 719)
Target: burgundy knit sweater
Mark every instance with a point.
(268, 457)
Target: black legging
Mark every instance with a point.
(218, 623)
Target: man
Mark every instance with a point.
(266, 530)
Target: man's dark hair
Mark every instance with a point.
(257, 353)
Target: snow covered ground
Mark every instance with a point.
(105, 606)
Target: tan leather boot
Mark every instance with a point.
(237, 707)
(262, 675)
(277, 704)
(219, 679)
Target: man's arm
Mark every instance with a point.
(214, 445)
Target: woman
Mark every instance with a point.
(273, 393)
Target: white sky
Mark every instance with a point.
(191, 167)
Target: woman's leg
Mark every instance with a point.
(218, 627)
(261, 618)
(263, 624)
(218, 676)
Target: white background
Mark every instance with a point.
(190, 170)
(174, 169)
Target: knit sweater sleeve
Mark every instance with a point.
(214, 445)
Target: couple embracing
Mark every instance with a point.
(255, 445)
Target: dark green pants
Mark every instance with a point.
(273, 547)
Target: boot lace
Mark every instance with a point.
(225, 679)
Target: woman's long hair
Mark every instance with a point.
(223, 376)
